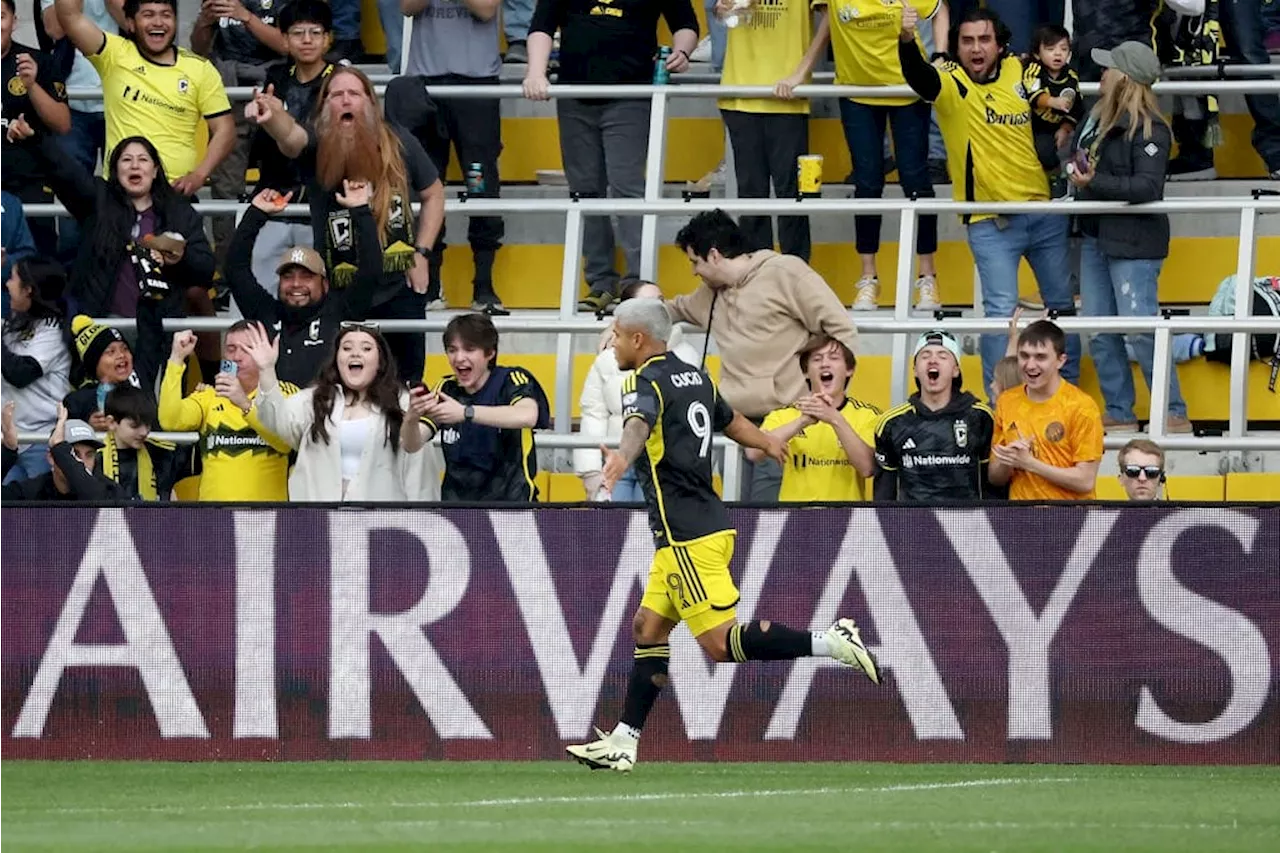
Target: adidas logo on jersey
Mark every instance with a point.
(909, 444)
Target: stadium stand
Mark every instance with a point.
(1206, 247)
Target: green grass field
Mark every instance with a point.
(561, 806)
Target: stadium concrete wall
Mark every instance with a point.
(1026, 634)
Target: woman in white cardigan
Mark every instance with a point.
(356, 429)
(601, 404)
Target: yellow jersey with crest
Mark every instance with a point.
(818, 469)
(164, 103)
(765, 48)
(864, 39)
(991, 151)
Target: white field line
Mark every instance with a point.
(540, 801)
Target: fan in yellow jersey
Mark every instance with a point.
(155, 89)
(242, 460)
(773, 46)
(670, 411)
(830, 436)
(985, 119)
(864, 41)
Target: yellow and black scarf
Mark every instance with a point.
(110, 454)
(341, 252)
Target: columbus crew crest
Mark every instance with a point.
(961, 431)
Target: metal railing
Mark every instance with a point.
(569, 322)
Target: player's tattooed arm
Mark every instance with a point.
(634, 435)
(635, 432)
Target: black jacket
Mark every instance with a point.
(92, 280)
(306, 334)
(1131, 170)
(925, 455)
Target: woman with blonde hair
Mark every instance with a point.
(1121, 153)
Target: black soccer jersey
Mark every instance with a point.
(21, 168)
(925, 455)
(483, 463)
(683, 410)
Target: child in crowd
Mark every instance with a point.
(1056, 106)
(145, 468)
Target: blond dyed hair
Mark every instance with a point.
(1128, 99)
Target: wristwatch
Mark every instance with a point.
(424, 251)
(469, 414)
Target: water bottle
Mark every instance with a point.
(661, 76)
(739, 14)
(475, 179)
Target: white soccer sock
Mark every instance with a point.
(820, 648)
(626, 732)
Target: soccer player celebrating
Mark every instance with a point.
(670, 411)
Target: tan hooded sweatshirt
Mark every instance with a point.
(761, 325)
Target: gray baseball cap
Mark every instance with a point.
(79, 432)
(1135, 59)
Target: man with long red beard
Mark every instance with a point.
(349, 140)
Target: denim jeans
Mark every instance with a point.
(628, 488)
(516, 17)
(87, 137)
(864, 127)
(719, 34)
(32, 462)
(346, 19)
(1111, 287)
(997, 251)
(393, 24)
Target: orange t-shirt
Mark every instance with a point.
(1065, 429)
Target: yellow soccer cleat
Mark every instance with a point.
(844, 640)
(606, 753)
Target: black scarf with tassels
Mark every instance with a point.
(341, 255)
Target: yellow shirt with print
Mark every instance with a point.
(864, 40)
(818, 468)
(241, 459)
(1064, 430)
(991, 124)
(164, 103)
(764, 49)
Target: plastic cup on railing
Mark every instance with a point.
(809, 175)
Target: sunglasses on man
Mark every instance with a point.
(1152, 472)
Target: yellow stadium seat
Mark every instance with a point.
(1253, 487)
(565, 488)
(1108, 488)
(1204, 487)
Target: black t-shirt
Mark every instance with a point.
(331, 222)
(609, 43)
(20, 167)
(683, 409)
(276, 171)
(483, 463)
(935, 456)
(235, 41)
